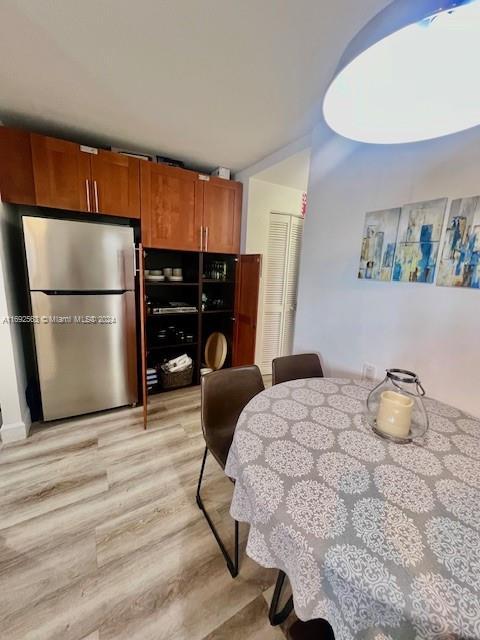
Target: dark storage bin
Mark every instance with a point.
(175, 379)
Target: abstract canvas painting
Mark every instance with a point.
(460, 258)
(419, 234)
(378, 244)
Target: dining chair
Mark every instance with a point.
(302, 365)
(312, 630)
(317, 629)
(224, 394)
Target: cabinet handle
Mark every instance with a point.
(87, 189)
(201, 237)
(95, 192)
(206, 238)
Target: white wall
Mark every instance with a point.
(264, 198)
(15, 415)
(246, 175)
(433, 330)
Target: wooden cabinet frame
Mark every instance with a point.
(240, 290)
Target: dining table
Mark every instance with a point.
(381, 539)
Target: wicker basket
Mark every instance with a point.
(175, 379)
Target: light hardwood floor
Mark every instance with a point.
(101, 538)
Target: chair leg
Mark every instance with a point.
(275, 617)
(231, 564)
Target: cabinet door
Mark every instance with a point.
(16, 170)
(246, 309)
(115, 184)
(171, 202)
(222, 211)
(143, 331)
(61, 173)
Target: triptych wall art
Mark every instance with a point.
(403, 244)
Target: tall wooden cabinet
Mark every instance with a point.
(188, 211)
(171, 205)
(187, 220)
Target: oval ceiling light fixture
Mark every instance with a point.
(411, 74)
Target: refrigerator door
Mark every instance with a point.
(63, 255)
(84, 365)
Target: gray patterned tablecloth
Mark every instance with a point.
(380, 539)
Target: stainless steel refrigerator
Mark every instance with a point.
(82, 288)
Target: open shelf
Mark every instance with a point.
(173, 313)
(170, 284)
(179, 345)
(197, 289)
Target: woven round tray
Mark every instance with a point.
(216, 350)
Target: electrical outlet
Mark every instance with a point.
(369, 371)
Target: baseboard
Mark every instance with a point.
(16, 431)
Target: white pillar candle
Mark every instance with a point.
(394, 415)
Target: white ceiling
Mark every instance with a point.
(215, 82)
(291, 172)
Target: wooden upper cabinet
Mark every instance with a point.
(61, 173)
(115, 184)
(171, 205)
(222, 212)
(16, 169)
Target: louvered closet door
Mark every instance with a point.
(291, 283)
(274, 289)
(280, 287)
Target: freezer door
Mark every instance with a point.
(85, 362)
(63, 255)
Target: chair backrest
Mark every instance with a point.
(303, 365)
(224, 395)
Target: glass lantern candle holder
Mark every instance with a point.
(395, 408)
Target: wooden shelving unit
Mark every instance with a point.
(196, 290)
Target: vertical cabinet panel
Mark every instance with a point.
(171, 207)
(222, 211)
(143, 331)
(115, 184)
(16, 168)
(246, 309)
(61, 173)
